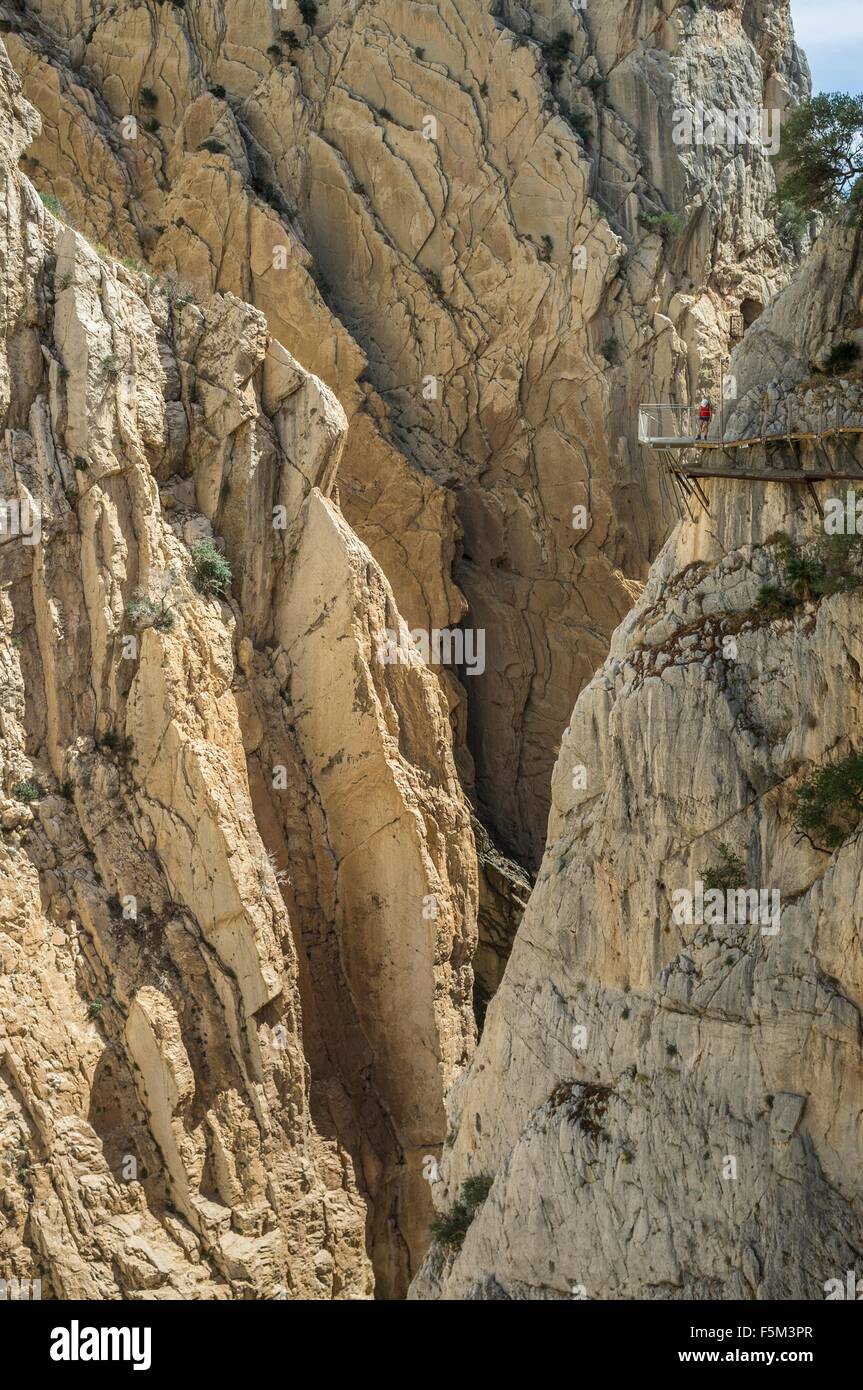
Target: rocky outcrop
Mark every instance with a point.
(667, 1089)
(239, 893)
(781, 374)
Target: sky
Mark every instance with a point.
(830, 32)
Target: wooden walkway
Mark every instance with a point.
(769, 475)
(685, 472)
(750, 441)
(686, 475)
(671, 430)
(681, 440)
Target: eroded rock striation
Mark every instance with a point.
(228, 1024)
(667, 1099)
(326, 323)
(486, 228)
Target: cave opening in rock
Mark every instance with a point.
(751, 309)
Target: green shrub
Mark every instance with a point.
(823, 566)
(728, 874)
(217, 90)
(803, 574)
(27, 791)
(546, 248)
(212, 571)
(791, 223)
(134, 265)
(829, 803)
(94, 1008)
(610, 350)
(842, 356)
(112, 742)
(308, 11)
(475, 1190)
(143, 611)
(560, 45)
(53, 204)
(841, 558)
(578, 118)
(667, 224)
(450, 1228)
(149, 98)
(775, 600)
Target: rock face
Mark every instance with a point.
(778, 370)
(239, 879)
(659, 1096)
(324, 329)
(492, 242)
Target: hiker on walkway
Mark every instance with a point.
(704, 416)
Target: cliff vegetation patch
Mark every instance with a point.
(829, 803)
(450, 1228)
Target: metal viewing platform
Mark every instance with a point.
(689, 452)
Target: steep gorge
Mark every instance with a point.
(459, 229)
(669, 1103)
(370, 301)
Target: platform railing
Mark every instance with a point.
(673, 422)
(791, 418)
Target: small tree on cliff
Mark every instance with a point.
(822, 154)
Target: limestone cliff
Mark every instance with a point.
(322, 323)
(668, 1102)
(227, 1021)
(476, 223)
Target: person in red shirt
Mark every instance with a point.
(704, 417)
